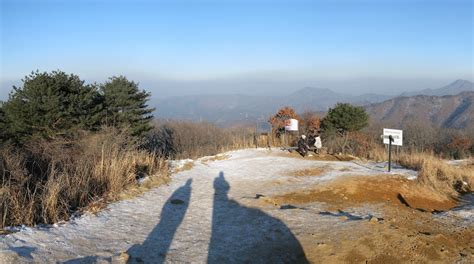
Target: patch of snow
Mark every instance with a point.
(143, 180)
(458, 163)
(464, 212)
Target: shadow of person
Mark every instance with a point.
(157, 244)
(248, 235)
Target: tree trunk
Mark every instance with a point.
(344, 142)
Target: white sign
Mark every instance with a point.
(396, 134)
(291, 125)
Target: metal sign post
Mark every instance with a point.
(392, 137)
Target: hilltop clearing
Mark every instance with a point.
(263, 206)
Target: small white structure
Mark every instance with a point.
(291, 125)
(396, 134)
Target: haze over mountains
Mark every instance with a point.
(229, 109)
(453, 88)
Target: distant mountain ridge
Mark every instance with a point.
(226, 109)
(453, 88)
(449, 111)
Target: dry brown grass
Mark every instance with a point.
(469, 164)
(345, 169)
(317, 171)
(433, 172)
(45, 182)
(377, 153)
(205, 161)
(135, 190)
(187, 166)
(437, 174)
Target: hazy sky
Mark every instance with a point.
(187, 47)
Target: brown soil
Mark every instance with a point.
(403, 235)
(309, 172)
(322, 156)
(355, 190)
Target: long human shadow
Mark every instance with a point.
(157, 244)
(248, 235)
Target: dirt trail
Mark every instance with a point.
(331, 211)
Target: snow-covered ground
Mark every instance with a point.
(458, 162)
(464, 212)
(207, 213)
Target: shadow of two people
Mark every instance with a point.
(239, 234)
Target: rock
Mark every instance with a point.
(177, 201)
(344, 218)
(258, 196)
(143, 180)
(121, 258)
(373, 220)
(288, 206)
(403, 200)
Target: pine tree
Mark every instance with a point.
(52, 104)
(343, 119)
(126, 106)
(3, 127)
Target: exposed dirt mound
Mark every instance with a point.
(404, 236)
(351, 191)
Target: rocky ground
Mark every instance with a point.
(266, 207)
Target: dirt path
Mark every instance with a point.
(210, 214)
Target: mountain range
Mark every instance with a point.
(449, 111)
(227, 109)
(453, 88)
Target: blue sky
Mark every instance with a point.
(180, 47)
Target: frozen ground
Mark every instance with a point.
(206, 214)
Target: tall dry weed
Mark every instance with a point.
(45, 182)
(438, 174)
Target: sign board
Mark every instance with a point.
(396, 134)
(291, 125)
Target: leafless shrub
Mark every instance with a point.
(184, 139)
